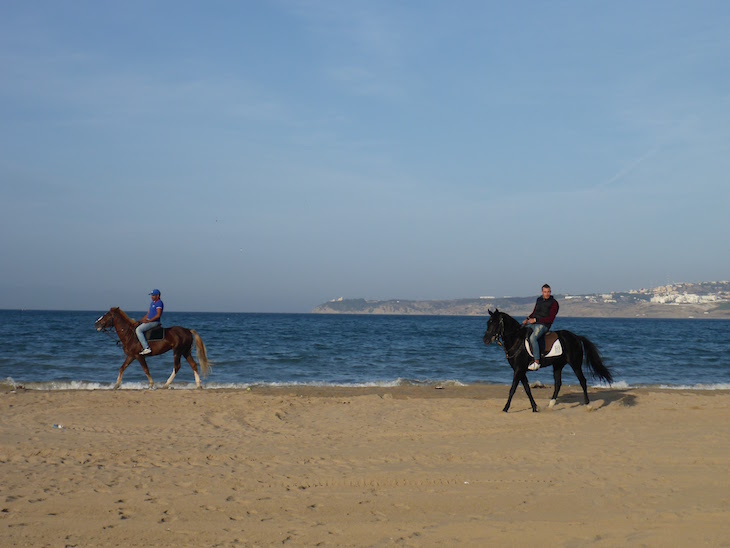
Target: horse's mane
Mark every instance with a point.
(123, 314)
(510, 320)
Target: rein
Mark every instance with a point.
(106, 330)
(512, 352)
(119, 331)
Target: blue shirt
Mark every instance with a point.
(154, 305)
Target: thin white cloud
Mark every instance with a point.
(625, 171)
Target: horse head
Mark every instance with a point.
(106, 321)
(495, 327)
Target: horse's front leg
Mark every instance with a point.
(146, 370)
(126, 363)
(512, 389)
(526, 384)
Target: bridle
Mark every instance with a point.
(108, 328)
(499, 339)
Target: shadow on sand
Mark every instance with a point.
(572, 396)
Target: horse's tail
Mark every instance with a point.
(594, 361)
(205, 365)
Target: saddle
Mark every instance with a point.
(155, 334)
(549, 345)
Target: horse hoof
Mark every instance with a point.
(552, 403)
(505, 410)
(536, 409)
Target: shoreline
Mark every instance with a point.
(324, 389)
(364, 466)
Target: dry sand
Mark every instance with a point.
(364, 467)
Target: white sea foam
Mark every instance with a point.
(718, 386)
(8, 382)
(80, 385)
(623, 385)
(618, 385)
(85, 385)
(321, 384)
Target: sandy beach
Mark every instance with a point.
(411, 466)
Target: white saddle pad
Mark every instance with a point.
(556, 350)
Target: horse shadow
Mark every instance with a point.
(600, 398)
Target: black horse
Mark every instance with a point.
(510, 334)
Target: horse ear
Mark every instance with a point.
(496, 310)
(490, 312)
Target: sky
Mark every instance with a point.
(268, 156)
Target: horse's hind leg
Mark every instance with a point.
(194, 365)
(582, 380)
(575, 359)
(175, 369)
(558, 376)
(126, 363)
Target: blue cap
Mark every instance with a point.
(155, 292)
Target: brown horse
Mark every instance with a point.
(178, 339)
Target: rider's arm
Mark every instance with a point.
(157, 315)
(532, 315)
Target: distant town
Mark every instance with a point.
(677, 300)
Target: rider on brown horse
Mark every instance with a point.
(178, 339)
(151, 320)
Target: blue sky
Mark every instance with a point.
(269, 156)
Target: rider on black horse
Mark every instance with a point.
(542, 317)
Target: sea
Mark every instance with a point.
(61, 350)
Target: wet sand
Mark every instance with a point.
(410, 466)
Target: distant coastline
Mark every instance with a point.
(682, 300)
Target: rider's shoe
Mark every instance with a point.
(534, 366)
(145, 352)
